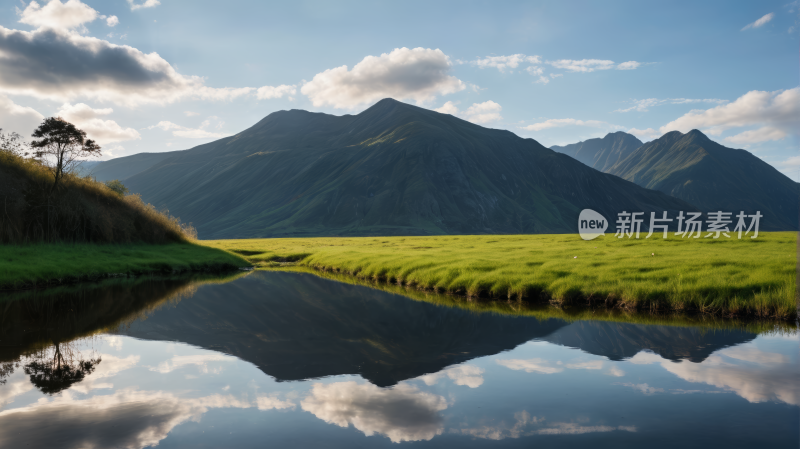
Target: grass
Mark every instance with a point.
(724, 277)
(40, 264)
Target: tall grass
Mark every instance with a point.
(79, 210)
(724, 277)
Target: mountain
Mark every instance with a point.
(602, 154)
(123, 168)
(394, 169)
(712, 177)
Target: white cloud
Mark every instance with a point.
(402, 413)
(792, 162)
(583, 65)
(502, 63)
(592, 365)
(20, 119)
(556, 75)
(485, 112)
(560, 122)
(88, 119)
(644, 105)
(630, 65)
(112, 21)
(760, 22)
(647, 134)
(531, 366)
(189, 133)
(535, 70)
(467, 375)
(419, 74)
(273, 403)
(57, 64)
(448, 108)
(774, 112)
(146, 4)
(267, 92)
(753, 374)
(543, 80)
(644, 388)
(55, 14)
(526, 425)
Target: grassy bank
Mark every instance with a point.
(727, 277)
(40, 264)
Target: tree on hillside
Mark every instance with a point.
(117, 187)
(60, 145)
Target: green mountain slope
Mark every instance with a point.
(712, 177)
(602, 154)
(393, 169)
(124, 167)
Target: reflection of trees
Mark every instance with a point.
(59, 371)
(6, 370)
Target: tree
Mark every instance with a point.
(117, 187)
(60, 146)
(13, 143)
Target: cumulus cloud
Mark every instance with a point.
(755, 375)
(775, 113)
(112, 21)
(273, 403)
(448, 108)
(485, 112)
(58, 64)
(419, 74)
(189, 133)
(267, 92)
(89, 120)
(55, 14)
(560, 122)
(402, 413)
(20, 119)
(146, 4)
(502, 63)
(630, 65)
(760, 22)
(645, 104)
(467, 375)
(647, 134)
(145, 417)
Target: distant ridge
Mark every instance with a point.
(712, 177)
(393, 169)
(602, 154)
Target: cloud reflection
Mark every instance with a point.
(467, 375)
(527, 425)
(402, 413)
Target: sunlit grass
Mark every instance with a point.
(725, 276)
(24, 266)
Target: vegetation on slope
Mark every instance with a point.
(602, 154)
(726, 277)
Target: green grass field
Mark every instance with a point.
(23, 266)
(727, 277)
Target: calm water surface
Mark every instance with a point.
(293, 360)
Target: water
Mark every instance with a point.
(293, 360)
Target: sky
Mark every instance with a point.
(165, 75)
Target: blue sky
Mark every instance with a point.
(149, 75)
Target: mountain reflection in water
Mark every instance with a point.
(179, 362)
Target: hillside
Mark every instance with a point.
(712, 177)
(124, 167)
(394, 169)
(602, 154)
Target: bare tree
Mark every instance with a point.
(60, 146)
(13, 143)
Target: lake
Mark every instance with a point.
(284, 359)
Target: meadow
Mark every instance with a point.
(725, 277)
(41, 264)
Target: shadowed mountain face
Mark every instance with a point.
(619, 341)
(393, 169)
(713, 177)
(123, 168)
(602, 154)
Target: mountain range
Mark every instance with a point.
(698, 170)
(393, 169)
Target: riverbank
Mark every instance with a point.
(724, 277)
(47, 264)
